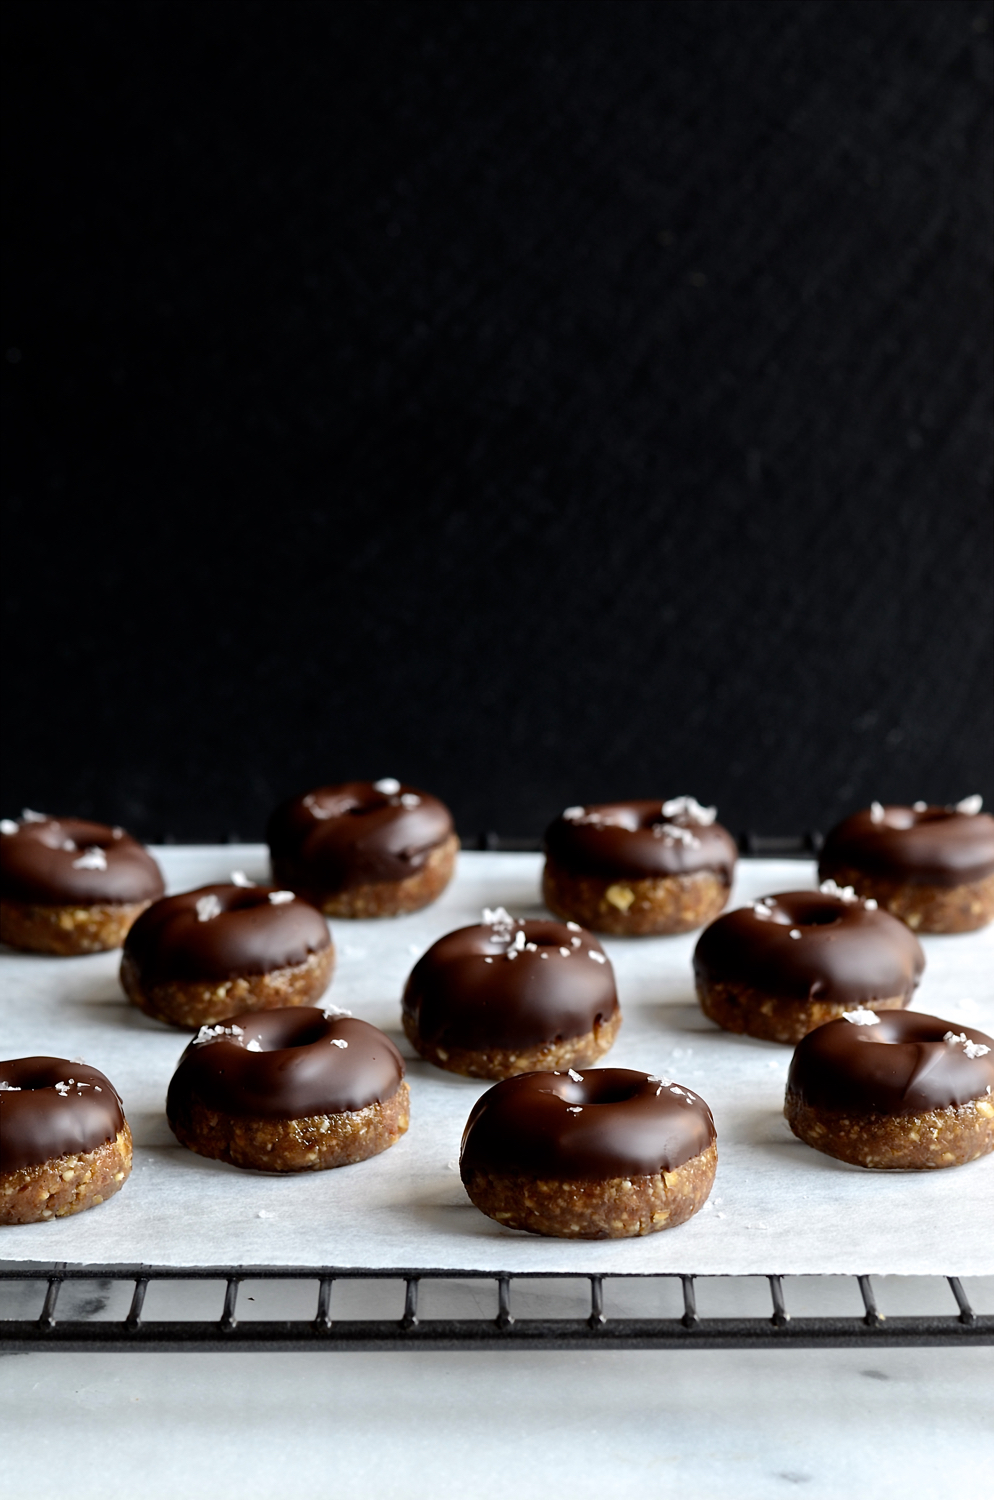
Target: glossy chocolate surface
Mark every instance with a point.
(60, 861)
(50, 1107)
(507, 983)
(922, 845)
(222, 931)
(842, 951)
(285, 1065)
(639, 840)
(595, 1124)
(902, 1063)
(359, 833)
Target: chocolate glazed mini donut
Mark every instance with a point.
(64, 1142)
(931, 866)
(899, 1091)
(210, 953)
(289, 1091)
(365, 848)
(68, 886)
(511, 997)
(788, 963)
(638, 867)
(606, 1154)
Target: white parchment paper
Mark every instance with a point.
(777, 1206)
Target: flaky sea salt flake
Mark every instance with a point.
(91, 859)
(239, 878)
(860, 1017)
(281, 898)
(388, 785)
(970, 805)
(8, 826)
(208, 907)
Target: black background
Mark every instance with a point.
(538, 402)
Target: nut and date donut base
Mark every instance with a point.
(66, 1184)
(67, 931)
(499, 1062)
(776, 1018)
(190, 1003)
(616, 1208)
(382, 898)
(926, 908)
(312, 1143)
(660, 905)
(937, 1138)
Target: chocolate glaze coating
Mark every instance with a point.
(485, 986)
(286, 1065)
(922, 845)
(601, 1123)
(637, 841)
(899, 1065)
(356, 834)
(250, 935)
(39, 1122)
(845, 953)
(40, 864)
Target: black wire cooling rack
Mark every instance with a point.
(522, 1318)
(540, 1328)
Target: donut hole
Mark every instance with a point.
(826, 917)
(595, 1088)
(279, 1033)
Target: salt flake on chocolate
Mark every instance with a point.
(388, 785)
(332, 1012)
(876, 812)
(8, 826)
(842, 892)
(794, 933)
(691, 809)
(598, 958)
(239, 878)
(970, 1049)
(574, 814)
(410, 800)
(214, 1033)
(860, 1017)
(576, 1077)
(91, 859)
(208, 907)
(339, 1041)
(970, 805)
(281, 898)
(253, 1046)
(28, 815)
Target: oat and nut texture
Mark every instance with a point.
(498, 1062)
(657, 905)
(927, 908)
(310, 1144)
(615, 1209)
(65, 931)
(190, 1004)
(66, 1185)
(947, 1137)
(774, 1018)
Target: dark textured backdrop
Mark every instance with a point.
(540, 402)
